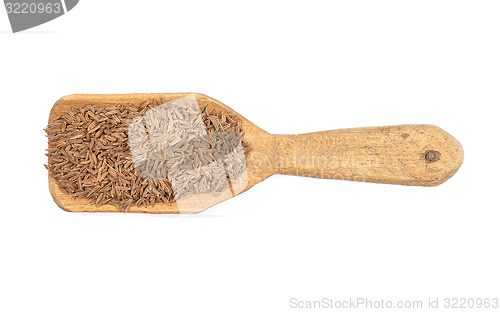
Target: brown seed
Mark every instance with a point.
(89, 153)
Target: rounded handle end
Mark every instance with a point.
(441, 155)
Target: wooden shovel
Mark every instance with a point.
(423, 155)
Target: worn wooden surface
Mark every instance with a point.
(422, 155)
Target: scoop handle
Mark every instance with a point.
(422, 155)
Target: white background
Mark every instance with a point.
(289, 67)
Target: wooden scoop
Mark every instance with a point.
(421, 155)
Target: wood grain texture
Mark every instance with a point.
(421, 155)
